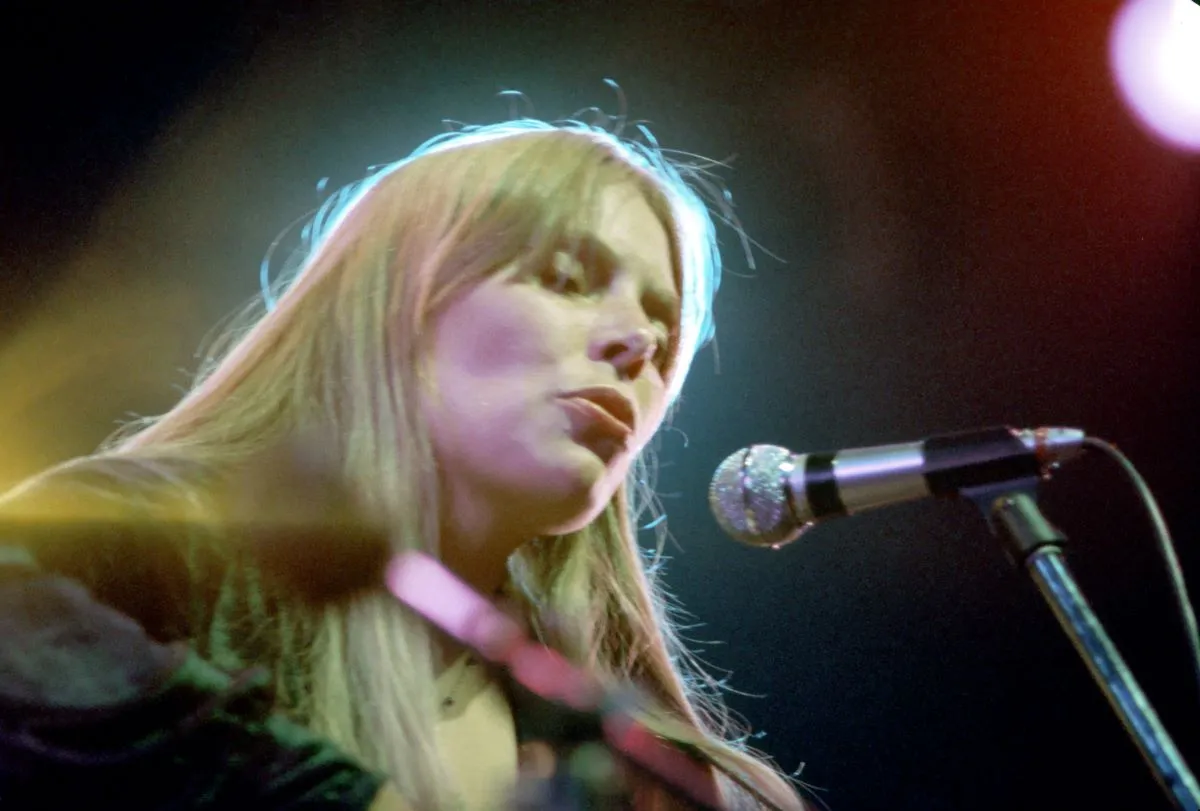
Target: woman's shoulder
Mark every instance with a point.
(129, 530)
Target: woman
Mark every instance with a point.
(482, 340)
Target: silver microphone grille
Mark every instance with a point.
(749, 496)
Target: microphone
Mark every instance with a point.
(765, 495)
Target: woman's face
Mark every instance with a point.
(548, 380)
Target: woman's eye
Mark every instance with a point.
(564, 275)
(567, 283)
(662, 350)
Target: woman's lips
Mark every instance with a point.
(597, 418)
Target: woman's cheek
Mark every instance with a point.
(499, 342)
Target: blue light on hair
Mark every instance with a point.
(685, 182)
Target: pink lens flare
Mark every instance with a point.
(424, 585)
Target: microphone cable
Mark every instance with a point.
(1166, 548)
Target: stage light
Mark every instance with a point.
(1154, 50)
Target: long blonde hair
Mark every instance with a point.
(338, 355)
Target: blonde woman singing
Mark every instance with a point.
(483, 338)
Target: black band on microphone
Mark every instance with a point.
(954, 462)
(820, 486)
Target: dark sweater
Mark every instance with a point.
(142, 669)
(149, 664)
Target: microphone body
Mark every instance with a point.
(765, 495)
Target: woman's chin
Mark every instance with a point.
(561, 489)
(574, 494)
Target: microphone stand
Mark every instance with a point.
(1031, 541)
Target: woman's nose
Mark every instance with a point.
(629, 350)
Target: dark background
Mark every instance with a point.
(960, 225)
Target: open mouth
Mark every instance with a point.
(597, 429)
(598, 417)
